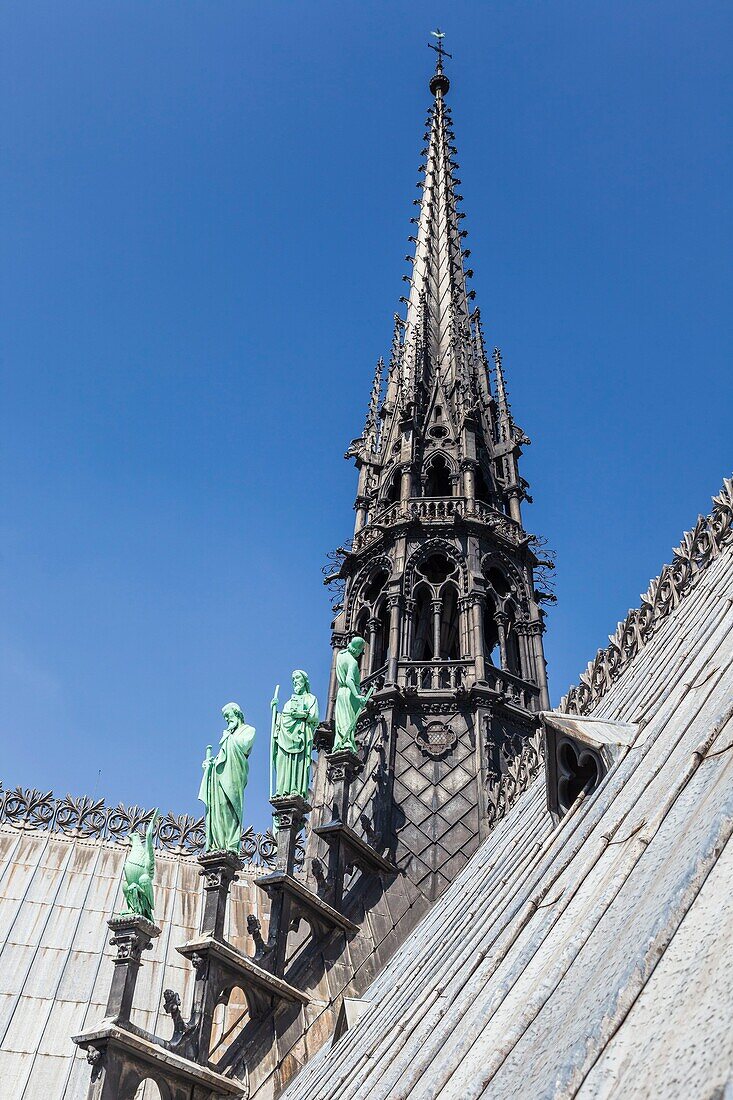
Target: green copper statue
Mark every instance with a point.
(349, 700)
(224, 780)
(138, 873)
(292, 738)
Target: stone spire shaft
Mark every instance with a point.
(437, 323)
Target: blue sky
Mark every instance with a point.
(204, 211)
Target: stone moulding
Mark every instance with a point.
(698, 548)
(91, 819)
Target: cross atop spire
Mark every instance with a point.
(439, 82)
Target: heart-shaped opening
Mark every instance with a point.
(578, 772)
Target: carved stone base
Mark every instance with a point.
(121, 1059)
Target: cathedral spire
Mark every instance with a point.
(437, 311)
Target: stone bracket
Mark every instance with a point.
(355, 849)
(302, 902)
(227, 967)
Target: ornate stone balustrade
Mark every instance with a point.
(512, 688)
(437, 510)
(375, 680)
(436, 675)
(92, 819)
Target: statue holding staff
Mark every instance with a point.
(292, 738)
(224, 780)
(349, 700)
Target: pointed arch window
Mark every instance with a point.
(422, 636)
(481, 488)
(393, 492)
(492, 650)
(438, 480)
(450, 645)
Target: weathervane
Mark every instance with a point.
(438, 33)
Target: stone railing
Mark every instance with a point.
(435, 675)
(375, 679)
(91, 819)
(437, 510)
(513, 689)
(698, 548)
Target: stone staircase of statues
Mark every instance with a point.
(122, 1055)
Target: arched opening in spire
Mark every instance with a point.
(393, 490)
(381, 638)
(450, 646)
(362, 630)
(481, 488)
(513, 659)
(422, 633)
(438, 479)
(492, 651)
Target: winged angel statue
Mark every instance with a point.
(138, 873)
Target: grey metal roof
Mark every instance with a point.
(594, 958)
(56, 893)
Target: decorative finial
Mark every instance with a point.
(439, 81)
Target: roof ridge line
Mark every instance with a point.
(699, 546)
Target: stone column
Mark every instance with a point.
(514, 508)
(535, 630)
(477, 612)
(407, 623)
(218, 870)
(468, 468)
(289, 813)
(131, 935)
(406, 484)
(342, 767)
(372, 630)
(338, 641)
(394, 603)
(464, 609)
(436, 606)
(501, 619)
(360, 506)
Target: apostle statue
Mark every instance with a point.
(349, 700)
(224, 780)
(292, 738)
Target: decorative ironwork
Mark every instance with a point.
(91, 819)
(698, 548)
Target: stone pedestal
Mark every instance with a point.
(132, 935)
(218, 870)
(346, 848)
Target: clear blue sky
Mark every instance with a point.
(204, 212)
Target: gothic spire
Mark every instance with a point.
(437, 311)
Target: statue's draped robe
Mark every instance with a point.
(294, 744)
(222, 789)
(348, 699)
